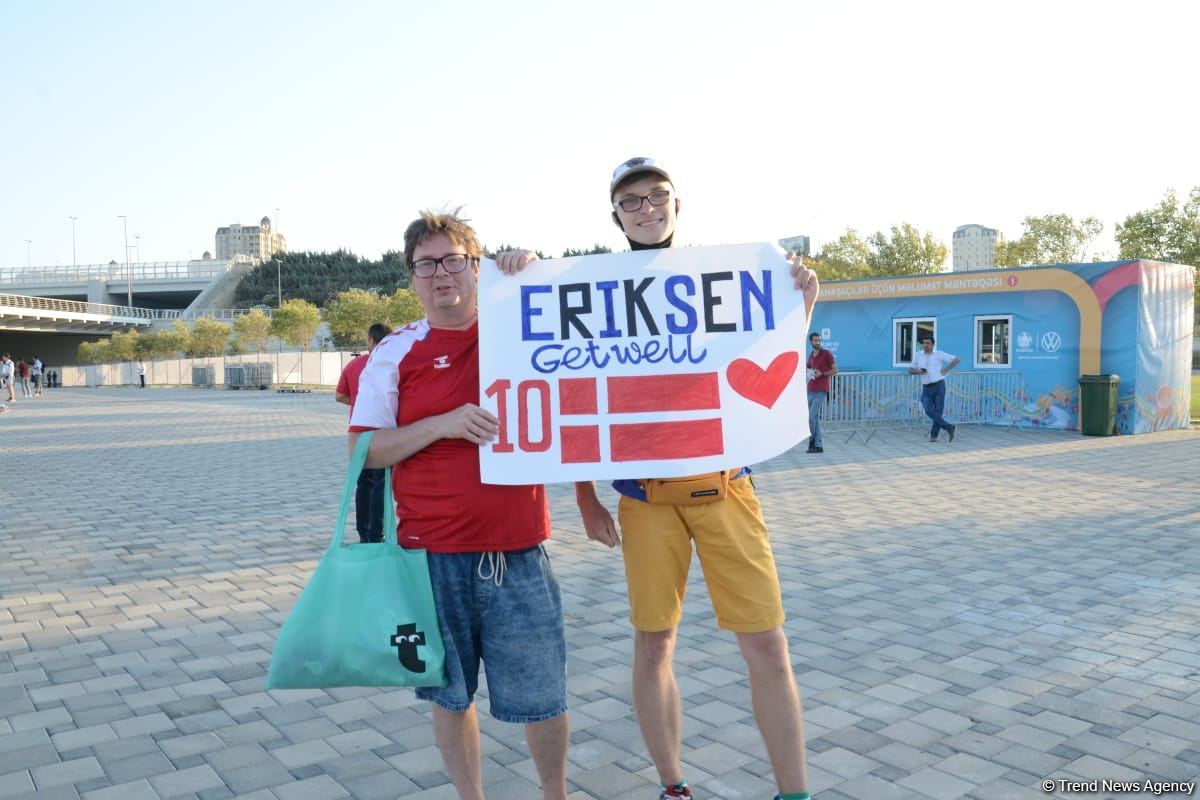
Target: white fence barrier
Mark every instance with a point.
(291, 368)
(865, 401)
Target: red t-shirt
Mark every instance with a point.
(823, 360)
(348, 382)
(418, 372)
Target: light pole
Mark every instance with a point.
(278, 263)
(137, 247)
(27, 243)
(73, 241)
(128, 267)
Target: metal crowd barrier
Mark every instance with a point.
(864, 402)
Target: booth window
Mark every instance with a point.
(993, 340)
(906, 338)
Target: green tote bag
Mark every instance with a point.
(367, 616)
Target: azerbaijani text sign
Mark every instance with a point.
(657, 363)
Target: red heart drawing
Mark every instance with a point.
(762, 387)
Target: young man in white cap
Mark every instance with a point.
(730, 537)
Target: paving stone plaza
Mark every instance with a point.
(966, 620)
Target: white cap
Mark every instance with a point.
(635, 165)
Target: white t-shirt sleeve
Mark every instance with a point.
(378, 402)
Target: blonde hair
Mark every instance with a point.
(431, 223)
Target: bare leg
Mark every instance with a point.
(656, 700)
(457, 736)
(776, 703)
(548, 742)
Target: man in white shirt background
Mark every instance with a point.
(932, 365)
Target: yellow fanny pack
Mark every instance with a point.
(694, 491)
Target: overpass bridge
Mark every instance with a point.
(195, 284)
(49, 311)
(51, 315)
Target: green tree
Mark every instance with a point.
(159, 344)
(176, 340)
(209, 338)
(318, 277)
(906, 252)
(490, 252)
(1168, 232)
(351, 313)
(1049, 239)
(846, 257)
(296, 322)
(123, 346)
(93, 352)
(596, 249)
(253, 330)
(403, 307)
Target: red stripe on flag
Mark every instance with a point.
(687, 392)
(577, 396)
(580, 444)
(655, 441)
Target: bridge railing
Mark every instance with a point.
(52, 304)
(867, 401)
(141, 271)
(222, 314)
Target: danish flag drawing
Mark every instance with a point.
(660, 364)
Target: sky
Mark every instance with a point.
(342, 120)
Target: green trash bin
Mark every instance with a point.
(1098, 404)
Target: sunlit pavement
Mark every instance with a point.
(966, 620)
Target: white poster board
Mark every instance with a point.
(656, 363)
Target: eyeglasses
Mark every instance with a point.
(633, 202)
(455, 262)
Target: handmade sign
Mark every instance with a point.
(656, 363)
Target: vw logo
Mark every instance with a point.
(1051, 341)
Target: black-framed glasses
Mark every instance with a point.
(455, 262)
(633, 202)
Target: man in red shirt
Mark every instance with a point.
(368, 496)
(496, 595)
(821, 368)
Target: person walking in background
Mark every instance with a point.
(368, 497)
(37, 374)
(7, 376)
(821, 367)
(932, 365)
(141, 370)
(23, 376)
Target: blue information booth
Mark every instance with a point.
(1036, 330)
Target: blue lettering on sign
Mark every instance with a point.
(550, 358)
(528, 312)
(673, 284)
(610, 329)
(689, 308)
(620, 309)
(762, 294)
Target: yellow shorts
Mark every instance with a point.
(735, 554)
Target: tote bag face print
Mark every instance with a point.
(367, 616)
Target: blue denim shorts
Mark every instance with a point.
(508, 615)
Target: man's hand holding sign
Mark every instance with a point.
(660, 363)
